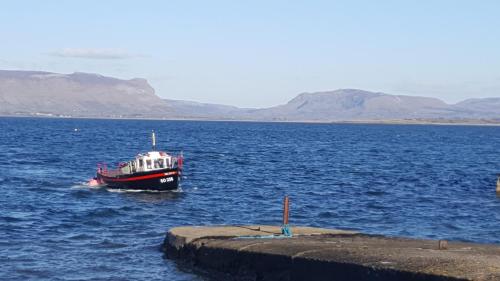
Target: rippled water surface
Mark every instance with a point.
(418, 181)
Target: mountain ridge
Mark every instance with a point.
(77, 94)
(356, 105)
(82, 94)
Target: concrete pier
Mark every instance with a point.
(327, 254)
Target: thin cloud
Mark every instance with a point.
(93, 53)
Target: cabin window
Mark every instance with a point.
(148, 163)
(159, 163)
(141, 163)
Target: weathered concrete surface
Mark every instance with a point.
(325, 254)
(180, 236)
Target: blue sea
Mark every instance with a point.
(420, 181)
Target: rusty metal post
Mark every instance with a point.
(285, 228)
(285, 210)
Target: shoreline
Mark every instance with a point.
(450, 122)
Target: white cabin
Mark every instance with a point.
(145, 162)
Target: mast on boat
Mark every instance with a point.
(154, 140)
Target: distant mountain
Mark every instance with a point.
(480, 108)
(77, 94)
(93, 95)
(198, 110)
(347, 105)
(359, 105)
(352, 104)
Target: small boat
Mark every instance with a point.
(151, 171)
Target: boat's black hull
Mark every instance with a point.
(159, 180)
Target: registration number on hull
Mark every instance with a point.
(165, 180)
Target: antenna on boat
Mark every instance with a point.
(154, 140)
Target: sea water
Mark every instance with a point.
(422, 181)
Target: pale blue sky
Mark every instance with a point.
(263, 53)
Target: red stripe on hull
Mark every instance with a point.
(106, 178)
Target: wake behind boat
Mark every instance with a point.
(154, 170)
